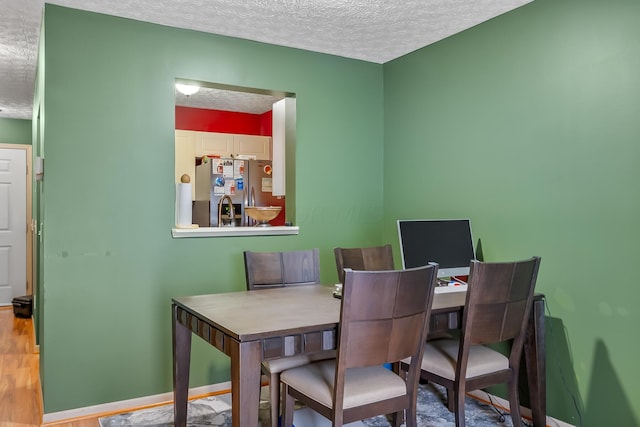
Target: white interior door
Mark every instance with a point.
(13, 224)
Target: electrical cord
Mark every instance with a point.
(502, 416)
(562, 376)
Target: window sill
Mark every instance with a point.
(179, 233)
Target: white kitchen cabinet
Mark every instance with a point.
(231, 145)
(185, 157)
(252, 145)
(214, 144)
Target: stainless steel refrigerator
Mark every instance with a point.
(245, 182)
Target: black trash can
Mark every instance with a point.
(23, 306)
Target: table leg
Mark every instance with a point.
(245, 382)
(534, 352)
(181, 359)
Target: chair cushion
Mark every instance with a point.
(440, 358)
(362, 385)
(276, 366)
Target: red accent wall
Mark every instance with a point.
(204, 120)
(266, 124)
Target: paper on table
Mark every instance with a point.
(449, 289)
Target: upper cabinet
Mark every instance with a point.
(213, 144)
(252, 145)
(231, 145)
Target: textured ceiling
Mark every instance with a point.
(228, 100)
(371, 30)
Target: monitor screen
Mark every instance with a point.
(445, 241)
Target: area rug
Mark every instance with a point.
(216, 411)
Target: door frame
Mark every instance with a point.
(28, 220)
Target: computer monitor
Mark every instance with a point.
(445, 241)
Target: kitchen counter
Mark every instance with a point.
(178, 233)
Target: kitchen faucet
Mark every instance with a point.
(232, 213)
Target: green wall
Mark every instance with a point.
(110, 264)
(528, 125)
(15, 131)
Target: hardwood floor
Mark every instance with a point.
(19, 376)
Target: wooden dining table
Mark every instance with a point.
(253, 326)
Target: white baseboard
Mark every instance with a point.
(502, 403)
(125, 405)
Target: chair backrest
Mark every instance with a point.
(384, 319)
(499, 299)
(278, 269)
(373, 258)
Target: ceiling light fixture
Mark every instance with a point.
(187, 89)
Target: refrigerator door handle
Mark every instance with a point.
(252, 202)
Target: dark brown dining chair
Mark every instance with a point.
(277, 269)
(383, 319)
(264, 270)
(373, 258)
(499, 300)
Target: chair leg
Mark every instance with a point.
(287, 407)
(514, 404)
(396, 419)
(274, 398)
(451, 397)
(459, 406)
(411, 415)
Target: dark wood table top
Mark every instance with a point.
(251, 315)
